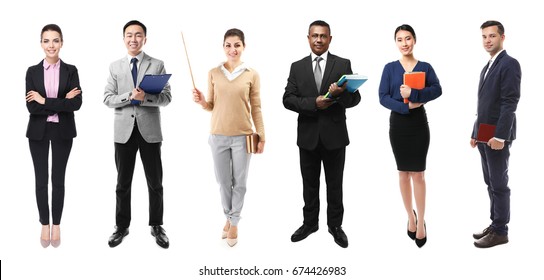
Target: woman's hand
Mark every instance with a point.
(198, 97)
(73, 93)
(35, 96)
(260, 147)
(412, 105)
(405, 91)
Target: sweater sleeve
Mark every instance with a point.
(255, 102)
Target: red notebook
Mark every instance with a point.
(485, 132)
(415, 80)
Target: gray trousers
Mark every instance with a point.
(231, 165)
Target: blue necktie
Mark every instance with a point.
(134, 62)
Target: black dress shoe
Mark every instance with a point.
(160, 236)
(412, 234)
(339, 236)
(303, 232)
(421, 242)
(482, 233)
(491, 239)
(117, 237)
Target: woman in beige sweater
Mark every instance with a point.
(234, 100)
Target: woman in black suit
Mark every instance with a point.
(52, 96)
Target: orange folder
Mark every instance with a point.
(415, 80)
(485, 132)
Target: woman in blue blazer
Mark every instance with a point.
(52, 95)
(408, 127)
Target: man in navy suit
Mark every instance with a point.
(498, 97)
(322, 130)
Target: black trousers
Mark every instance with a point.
(60, 151)
(125, 159)
(310, 167)
(495, 169)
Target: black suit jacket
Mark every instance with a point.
(68, 79)
(498, 96)
(300, 95)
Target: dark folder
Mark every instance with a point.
(485, 132)
(154, 84)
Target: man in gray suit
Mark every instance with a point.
(137, 126)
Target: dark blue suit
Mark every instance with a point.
(498, 96)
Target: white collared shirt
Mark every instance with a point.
(235, 73)
(322, 63)
(140, 57)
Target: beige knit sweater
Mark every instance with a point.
(235, 103)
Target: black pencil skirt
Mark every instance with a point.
(409, 136)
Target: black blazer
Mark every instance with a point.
(329, 125)
(498, 96)
(68, 79)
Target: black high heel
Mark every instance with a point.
(421, 242)
(412, 234)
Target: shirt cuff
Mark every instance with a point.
(499, 139)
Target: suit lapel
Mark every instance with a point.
(328, 70)
(40, 86)
(493, 66)
(146, 62)
(63, 80)
(308, 68)
(482, 76)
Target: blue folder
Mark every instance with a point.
(354, 81)
(154, 84)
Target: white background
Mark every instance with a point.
(449, 38)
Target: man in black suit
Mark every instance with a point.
(498, 97)
(322, 131)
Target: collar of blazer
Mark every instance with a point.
(331, 59)
(493, 67)
(144, 65)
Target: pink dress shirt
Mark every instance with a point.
(51, 82)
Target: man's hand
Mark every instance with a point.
(335, 90)
(322, 102)
(495, 144)
(137, 94)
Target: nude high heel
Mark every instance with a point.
(45, 242)
(232, 236)
(55, 242)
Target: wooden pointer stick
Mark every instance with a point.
(189, 63)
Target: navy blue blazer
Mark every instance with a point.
(498, 96)
(68, 80)
(300, 95)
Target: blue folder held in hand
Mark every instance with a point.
(153, 84)
(354, 82)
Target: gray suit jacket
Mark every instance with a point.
(147, 115)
